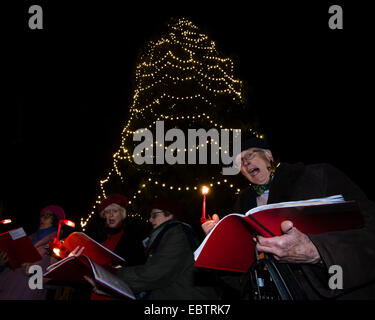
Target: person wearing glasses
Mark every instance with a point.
(168, 273)
(352, 250)
(14, 283)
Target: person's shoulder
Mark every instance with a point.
(323, 167)
(177, 226)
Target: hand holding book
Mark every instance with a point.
(210, 224)
(281, 229)
(291, 247)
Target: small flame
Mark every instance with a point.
(205, 190)
(68, 223)
(6, 221)
(56, 251)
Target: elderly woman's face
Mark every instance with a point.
(112, 215)
(255, 165)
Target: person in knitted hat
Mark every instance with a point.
(168, 273)
(311, 255)
(113, 210)
(162, 210)
(119, 234)
(14, 283)
(49, 219)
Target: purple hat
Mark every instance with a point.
(116, 198)
(56, 210)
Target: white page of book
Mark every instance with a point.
(310, 202)
(108, 279)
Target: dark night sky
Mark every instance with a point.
(68, 89)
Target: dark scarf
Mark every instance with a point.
(112, 231)
(261, 188)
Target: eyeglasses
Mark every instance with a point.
(154, 214)
(246, 157)
(47, 215)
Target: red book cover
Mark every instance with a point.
(19, 248)
(230, 245)
(74, 268)
(94, 250)
(71, 269)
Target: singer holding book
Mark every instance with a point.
(352, 250)
(14, 283)
(168, 273)
(118, 235)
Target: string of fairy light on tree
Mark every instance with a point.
(201, 65)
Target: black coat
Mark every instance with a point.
(130, 245)
(353, 250)
(169, 272)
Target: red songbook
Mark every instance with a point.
(94, 250)
(74, 268)
(230, 245)
(19, 248)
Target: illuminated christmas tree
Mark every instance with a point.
(182, 81)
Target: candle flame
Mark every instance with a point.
(56, 251)
(205, 190)
(68, 223)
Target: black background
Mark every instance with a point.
(68, 88)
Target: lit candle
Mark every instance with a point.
(204, 192)
(56, 244)
(66, 222)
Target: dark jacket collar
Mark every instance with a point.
(286, 176)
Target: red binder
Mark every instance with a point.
(19, 248)
(73, 269)
(94, 250)
(230, 245)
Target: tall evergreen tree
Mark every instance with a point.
(181, 82)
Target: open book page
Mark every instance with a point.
(111, 281)
(58, 263)
(310, 202)
(70, 269)
(230, 245)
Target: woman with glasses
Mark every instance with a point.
(168, 273)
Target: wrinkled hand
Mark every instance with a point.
(210, 224)
(76, 252)
(3, 258)
(292, 247)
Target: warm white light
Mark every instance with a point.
(205, 190)
(56, 251)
